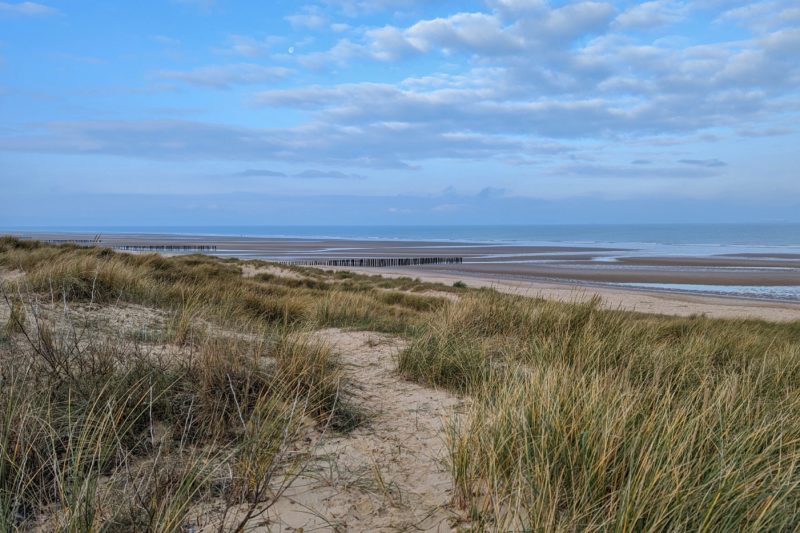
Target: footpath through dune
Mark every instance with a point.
(389, 475)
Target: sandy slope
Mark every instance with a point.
(388, 475)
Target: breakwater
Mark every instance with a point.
(166, 247)
(83, 242)
(378, 262)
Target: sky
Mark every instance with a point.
(215, 112)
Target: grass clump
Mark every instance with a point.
(200, 287)
(17, 318)
(371, 310)
(553, 448)
(97, 432)
(195, 426)
(585, 418)
(309, 367)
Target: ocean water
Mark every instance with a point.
(701, 235)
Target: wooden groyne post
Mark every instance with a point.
(166, 247)
(378, 262)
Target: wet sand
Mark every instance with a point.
(750, 261)
(653, 272)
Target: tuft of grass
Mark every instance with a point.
(552, 448)
(195, 288)
(414, 302)
(17, 318)
(584, 418)
(97, 432)
(309, 367)
(137, 444)
(366, 310)
(181, 326)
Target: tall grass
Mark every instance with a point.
(579, 418)
(101, 432)
(205, 287)
(588, 419)
(96, 433)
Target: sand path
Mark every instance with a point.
(388, 475)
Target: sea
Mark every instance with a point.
(706, 238)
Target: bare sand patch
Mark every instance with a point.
(10, 275)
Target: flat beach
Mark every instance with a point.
(624, 277)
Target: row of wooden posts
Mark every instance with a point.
(167, 247)
(376, 262)
(96, 240)
(379, 261)
(69, 241)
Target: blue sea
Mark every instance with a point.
(703, 236)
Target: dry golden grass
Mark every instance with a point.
(585, 419)
(99, 430)
(579, 418)
(198, 286)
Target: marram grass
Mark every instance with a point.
(584, 419)
(577, 418)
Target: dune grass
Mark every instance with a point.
(578, 417)
(215, 289)
(103, 430)
(590, 419)
(97, 434)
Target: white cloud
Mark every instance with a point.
(310, 17)
(305, 174)
(376, 145)
(355, 8)
(341, 53)
(652, 14)
(463, 32)
(764, 16)
(243, 45)
(510, 31)
(27, 8)
(224, 76)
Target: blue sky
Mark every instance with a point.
(188, 112)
